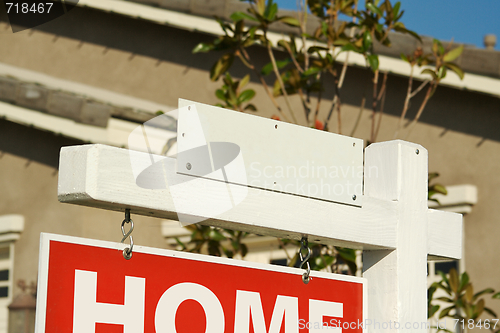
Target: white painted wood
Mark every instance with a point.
(268, 154)
(443, 232)
(398, 283)
(102, 176)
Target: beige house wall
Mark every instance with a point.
(28, 179)
(461, 129)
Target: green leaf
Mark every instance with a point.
(395, 10)
(203, 47)
(220, 94)
(372, 61)
(430, 72)
(216, 235)
(479, 307)
(437, 47)
(181, 244)
(367, 40)
(444, 279)
(464, 278)
(238, 16)
(243, 250)
(400, 27)
(271, 11)
(268, 68)
(491, 312)
(441, 72)
(311, 71)
(496, 296)
(440, 189)
(244, 81)
(246, 96)
(469, 293)
(432, 175)
(228, 253)
(221, 66)
(455, 69)
(350, 47)
(282, 63)
(291, 21)
(453, 278)
(404, 57)
(341, 42)
(346, 254)
(453, 54)
(261, 6)
(371, 7)
(284, 44)
(250, 107)
(433, 310)
(482, 292)
(446, 311)
(445, 299)
(313, 49)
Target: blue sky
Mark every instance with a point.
(464, 21)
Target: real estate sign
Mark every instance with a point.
(87, 286)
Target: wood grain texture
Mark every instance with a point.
(398, 279)
(274, 155)
(102, 176)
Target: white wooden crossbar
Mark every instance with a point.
(101, 176)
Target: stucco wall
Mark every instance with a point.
(28, 179)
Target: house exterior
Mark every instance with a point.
(96, 73)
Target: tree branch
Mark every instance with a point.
(280, 81)
(374, 105)
(246, 58)
(430, 90)
(359, 116)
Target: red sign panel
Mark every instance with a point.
(86, 286)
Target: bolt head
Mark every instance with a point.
(354, 197)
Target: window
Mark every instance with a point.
(4, 271)
(5, 283)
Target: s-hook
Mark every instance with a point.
(304, 245)
(127, 252)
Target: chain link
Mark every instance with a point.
(304, 245)
(127, 252)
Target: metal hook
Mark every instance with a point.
(127, 252)
(304, 244)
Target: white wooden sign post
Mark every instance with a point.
(389, 220)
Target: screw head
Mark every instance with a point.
(354, 197)
(188, 166)
(417, 151)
